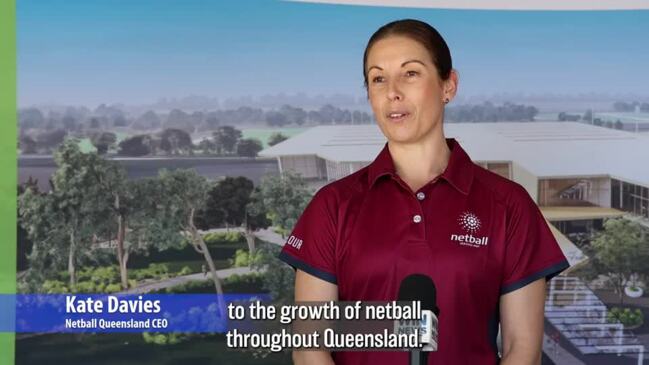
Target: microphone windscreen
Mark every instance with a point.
(419, 287)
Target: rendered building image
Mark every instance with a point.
(579, 175)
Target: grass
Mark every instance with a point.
(263, 134)
(86, 146)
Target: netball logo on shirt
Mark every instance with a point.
(471, 224)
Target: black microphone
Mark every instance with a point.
(420, 287)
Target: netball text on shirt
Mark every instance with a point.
(470, 223)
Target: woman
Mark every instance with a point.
(422, 206)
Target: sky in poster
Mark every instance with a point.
(136, 51)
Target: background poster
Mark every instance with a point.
(196, 107)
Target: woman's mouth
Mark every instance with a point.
(398, 117)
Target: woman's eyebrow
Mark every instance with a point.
(409, 61)
(402, 65)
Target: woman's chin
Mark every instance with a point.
(398, 137)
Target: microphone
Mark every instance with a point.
(420, 287)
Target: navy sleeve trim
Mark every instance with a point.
(299, 264)
(548, 273)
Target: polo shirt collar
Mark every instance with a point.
(459, 171)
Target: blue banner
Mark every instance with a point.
(102, 313)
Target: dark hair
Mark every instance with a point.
(420, 32)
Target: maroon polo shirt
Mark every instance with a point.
(476, 234)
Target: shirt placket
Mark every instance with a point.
(417, 217)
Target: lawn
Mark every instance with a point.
(86, 146)
(263, 134)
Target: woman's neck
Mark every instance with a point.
(419, 163)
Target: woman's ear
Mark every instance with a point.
(450, 85)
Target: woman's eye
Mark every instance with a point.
(377, 79)
(412, 73)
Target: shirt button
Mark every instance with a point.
(421, 195)
(416, 218)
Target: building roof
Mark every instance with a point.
(545, 149)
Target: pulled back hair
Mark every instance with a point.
(421, 33)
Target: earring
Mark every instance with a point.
(446, 100)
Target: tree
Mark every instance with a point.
(147, 121)
(51, 139)
(27, 144)
(206, 146)
(226, 138)
(61, 223)
(30, 118)
(178, 119)
(69, 123)
(249, 147)
(357, 117)
(278, 278)
(284, 198)
(620, 251)
(227, 203)
(276, 119)
(182, 195)
(37, 213)
(24, 243)
(135, 146)
(125, 203)
(293, 115)
(276, 138)
(120, 121)
(103, 141)
(175, 141)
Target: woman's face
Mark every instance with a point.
(404, 89)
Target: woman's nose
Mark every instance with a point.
(393, 91)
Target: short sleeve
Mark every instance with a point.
(531, 250)
(311, 245)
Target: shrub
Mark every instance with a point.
(242, 258)
(171, 338)
(85, 287)
(248, 283)
(626, 316)
(54, 287)
(196, 287)
(153, 271)
(185, 271)
(223, 237)
(112, 288)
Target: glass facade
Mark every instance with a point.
(630, 198)
(581, 226)
(574, 192)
